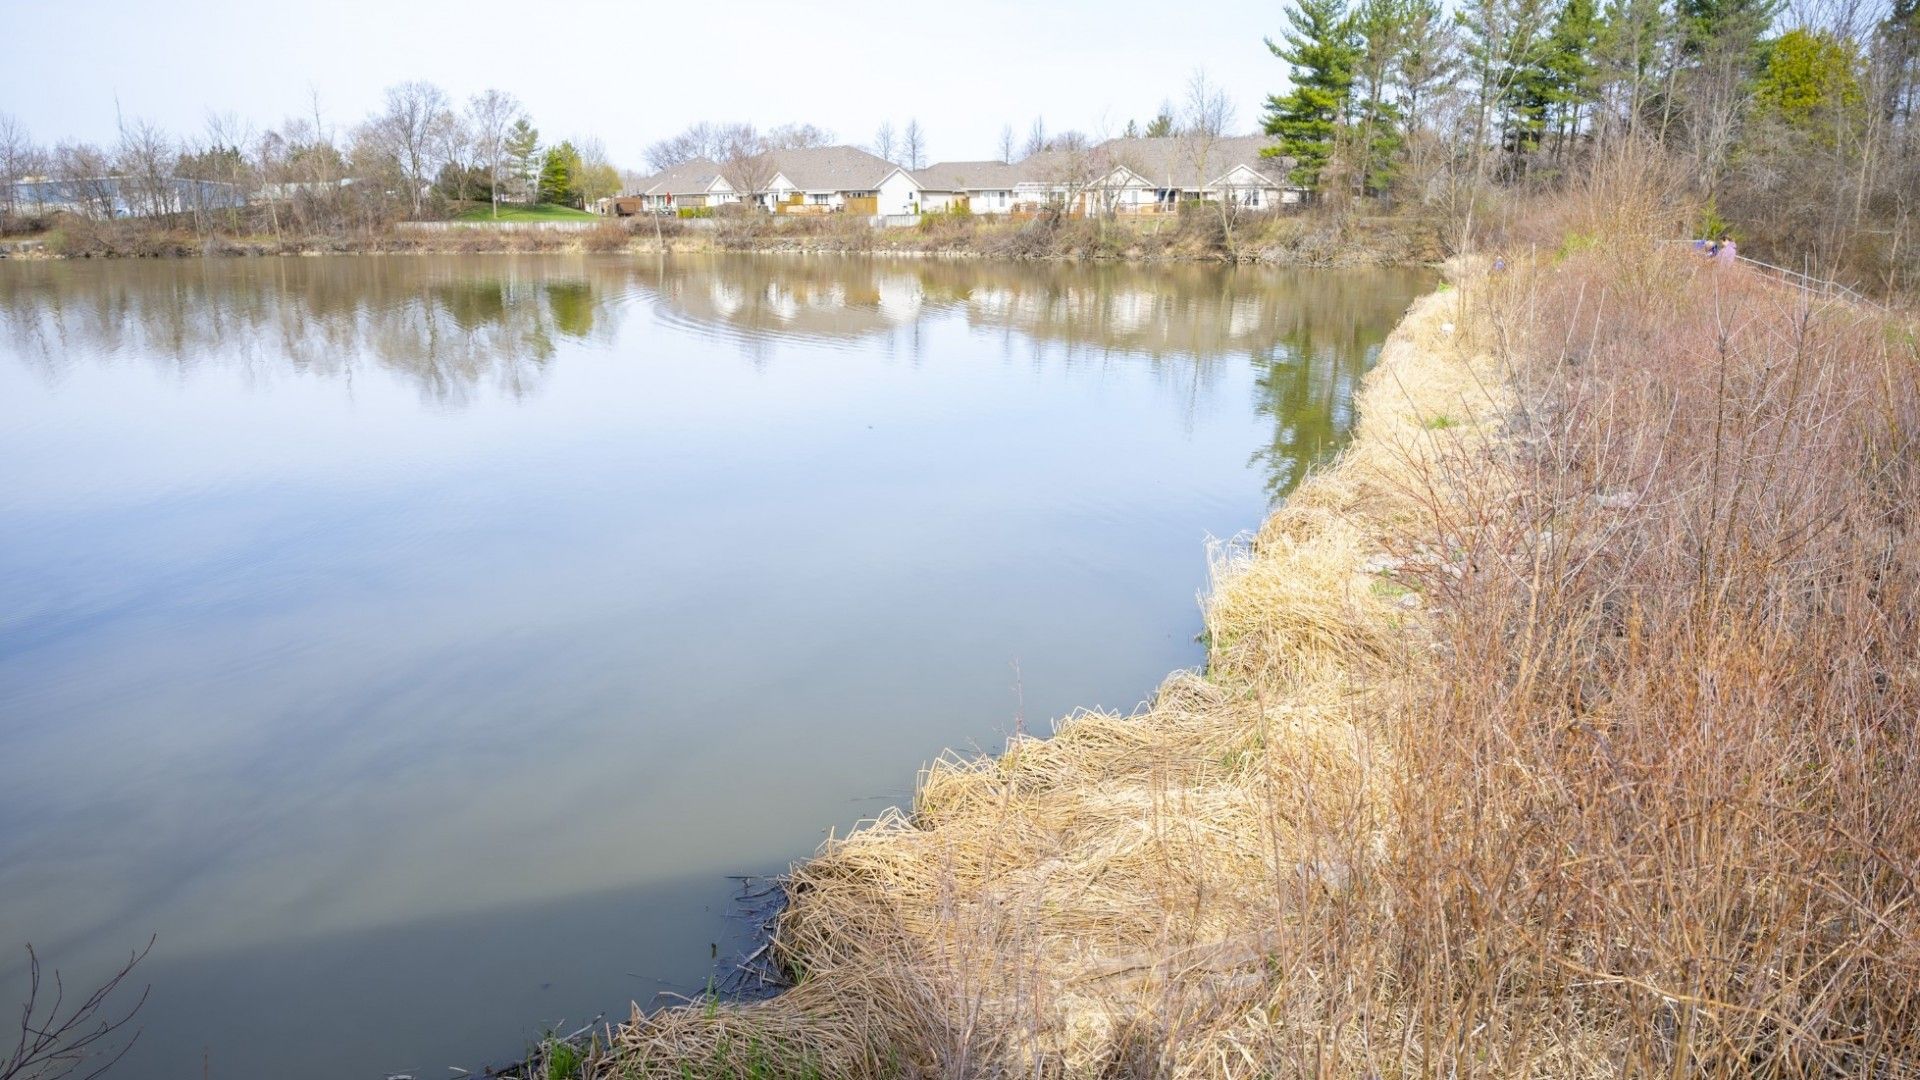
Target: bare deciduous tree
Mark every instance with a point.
(913, 145)
(59, 1041)
(19, 159)
(1036, 138)
(490, 115)
(885, 144)
(1205, 118)
(598, 178)
(411, 131)
(798, 137)
(144, 161)
(1207, 109)
(85, 173)
(747, 165)
(702, 140)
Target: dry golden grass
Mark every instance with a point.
(1564, 727)
(1111, 899)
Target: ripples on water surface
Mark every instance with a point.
(417, 645)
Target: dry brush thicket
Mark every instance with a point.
(1564, 727)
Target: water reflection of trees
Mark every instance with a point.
(1305, 384)
(447, 326)
(456, 326)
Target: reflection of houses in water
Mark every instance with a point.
(457, 326)
(1309, 335)
(1192, 312)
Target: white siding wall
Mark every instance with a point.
(899, 194)
(992, 202)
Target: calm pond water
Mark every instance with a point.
(419, 646)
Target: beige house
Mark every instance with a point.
(983, 187)
(1121, 176)
(688, 185)
(818, 180)
(836, 179)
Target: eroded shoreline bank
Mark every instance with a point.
(1046, 904)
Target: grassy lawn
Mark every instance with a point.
(516, 212)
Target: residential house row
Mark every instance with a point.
(1122, 176)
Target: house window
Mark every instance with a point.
(818, 199)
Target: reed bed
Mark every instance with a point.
(1565, 726)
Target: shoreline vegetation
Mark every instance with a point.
(1561, 726)
(1281, 238)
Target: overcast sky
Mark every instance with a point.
(634, 72)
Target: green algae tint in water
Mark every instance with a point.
(417, 645)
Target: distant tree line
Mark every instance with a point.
(418, 154)
(1794, 123)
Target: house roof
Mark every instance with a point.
(832, 168)
(687, 178)
(1190, 165)
(968, 175)
(1174, 162)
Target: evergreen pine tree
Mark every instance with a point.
(1320, 52)
(1628, 47)
(523, 152)
(1428, 60)
(1502, 49)
(1735, 25)
(1381, 27)
(1569, 69)
(560, 175)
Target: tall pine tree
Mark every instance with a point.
(1502, 47)
(1570, 72)
(1321, 52)
(1429, 59)
(1381, 29)
(560, 176)
(1628, 60)
(523, 158)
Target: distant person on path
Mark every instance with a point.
(1725, 253)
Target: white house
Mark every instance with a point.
(1121, 176)
(837, 179)
(817, 180)
(690, 184)
(1187, 167)
(983, 187)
